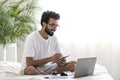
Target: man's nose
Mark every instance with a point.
(54, 28)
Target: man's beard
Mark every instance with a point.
(49, 32)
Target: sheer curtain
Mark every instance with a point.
(89, 28)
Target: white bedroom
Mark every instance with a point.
(87, 28)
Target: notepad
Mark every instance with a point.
(62, 58)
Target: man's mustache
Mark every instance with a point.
(52, 30)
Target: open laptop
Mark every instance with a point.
(84, 67)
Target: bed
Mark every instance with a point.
(11, 71)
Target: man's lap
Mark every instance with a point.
(70, 66)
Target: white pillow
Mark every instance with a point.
(9, 67)
(99, 69)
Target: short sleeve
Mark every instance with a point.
(29, 47)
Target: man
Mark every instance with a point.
(41, 48)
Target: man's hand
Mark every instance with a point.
(56, 56)
(61, 62)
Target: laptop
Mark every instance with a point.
(84, 67)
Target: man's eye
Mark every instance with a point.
(53, 24)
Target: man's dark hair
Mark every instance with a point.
(49, 14)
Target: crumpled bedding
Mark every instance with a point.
(11, 71)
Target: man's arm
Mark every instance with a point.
(37, 63)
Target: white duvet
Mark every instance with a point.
(10, 71)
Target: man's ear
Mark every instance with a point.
(44, 24)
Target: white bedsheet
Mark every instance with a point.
(10, 71)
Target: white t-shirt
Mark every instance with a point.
(38, 48)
